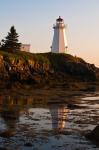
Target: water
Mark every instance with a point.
(43, 122)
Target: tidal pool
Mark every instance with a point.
(28, 123)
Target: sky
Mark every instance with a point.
(34, 19)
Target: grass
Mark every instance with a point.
(41, 57)
(25, 56)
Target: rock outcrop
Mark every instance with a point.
(94, 135)
(46, 67)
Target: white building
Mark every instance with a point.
(59, 44)
(25, 47)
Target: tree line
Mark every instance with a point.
(11, 42)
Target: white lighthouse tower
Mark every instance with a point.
(59, 44)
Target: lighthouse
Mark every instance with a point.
(59, 44)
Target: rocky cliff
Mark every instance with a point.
(44, 68)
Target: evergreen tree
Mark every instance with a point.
(11, 43)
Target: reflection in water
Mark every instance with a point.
(10, 117)
(12, 108)
(59, 114)
(22, 119)
(9, 113)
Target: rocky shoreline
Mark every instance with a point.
(46, 69)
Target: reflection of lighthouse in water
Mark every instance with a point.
(59, 115)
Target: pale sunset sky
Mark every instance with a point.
(34, 19)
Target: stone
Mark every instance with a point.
(28, 144)
(94, 135)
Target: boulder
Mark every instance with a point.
(94, 134)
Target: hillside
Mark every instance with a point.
(44, 68)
